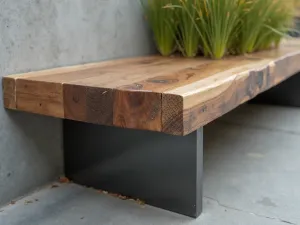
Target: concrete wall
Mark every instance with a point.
(40, 34)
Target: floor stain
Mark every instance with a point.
(267, 202)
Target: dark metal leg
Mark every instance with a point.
(163, 170)
(287, 93)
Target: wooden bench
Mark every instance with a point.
(175, 97)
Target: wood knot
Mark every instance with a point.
(203, 109)
(75, 98)
(189, 75)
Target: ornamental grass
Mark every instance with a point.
(215, 28)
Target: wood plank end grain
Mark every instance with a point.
(172, 114)
(9, 92)
(137, 110)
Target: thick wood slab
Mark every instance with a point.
(171, 95)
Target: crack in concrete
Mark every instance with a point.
(245, 211)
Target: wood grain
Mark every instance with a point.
(137, 110)
(9, 92)
(100, 105)
(88, 104)
(45, 98)
(171, 95)
(75, 102)
(210, 98)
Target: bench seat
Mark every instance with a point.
(172, 95)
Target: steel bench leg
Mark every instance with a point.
(286, 94)
(160, 169)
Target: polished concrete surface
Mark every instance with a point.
(251, 176)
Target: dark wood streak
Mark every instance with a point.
(88, 104)
(100, 105)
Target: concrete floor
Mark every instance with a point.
(252, 176)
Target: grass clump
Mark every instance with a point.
(163, 24)
(218, 27)
(217, 21)
(188, 36)
(263, 24)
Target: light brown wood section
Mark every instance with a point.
(171, 95)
